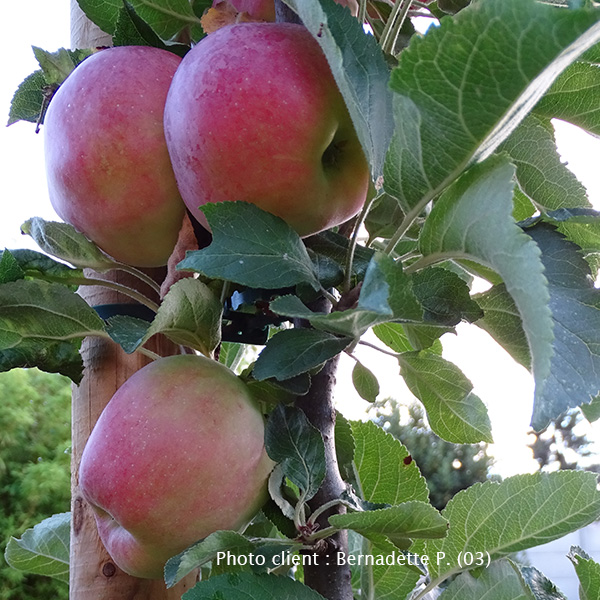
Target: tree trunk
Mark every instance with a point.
(93, 575)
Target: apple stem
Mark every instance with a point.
(141, 276)
(394, 25)
(123, 289)
(354, 239)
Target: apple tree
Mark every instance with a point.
(463, 182)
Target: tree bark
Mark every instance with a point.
(330, 576)
(93, 575)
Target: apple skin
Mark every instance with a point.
(177, 454)
(108, 168)
(254, 114)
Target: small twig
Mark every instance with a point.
(141, 276)
(382, 350)
(123, 289)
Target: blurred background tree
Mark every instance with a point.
(447, 468)
(35, 441)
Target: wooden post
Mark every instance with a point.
(93, 575)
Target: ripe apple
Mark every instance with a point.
(254, 114)
(177, 454)
(108, 168)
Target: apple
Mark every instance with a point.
(177, 454)
(108, 168)
(254, 114)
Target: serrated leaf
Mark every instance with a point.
(502, 321)
(591, 411)
(454, 412)
(65, 242)
(502, 580)
(539, 584)
(360, 71)
(40, 266)
(166, 17)
(520, 512)
(400, 523)
(385, 470)
(574, 97)
(250, 586)
(276, 487)
(541, 174)
(445, 297)
(293, 442)
(204, 551)
(27, 100)
(335, 247)
(127, 331)
(42, 324)
(132, 30)
(393, 336)
(365, 383)
(56, 66)
(251, 247)
(575, 304)
(190, 315)
(10, 270)
(44, 549)
(344, 446)
(292, 352)
(473, 220)
(455, 103)
(588, 573)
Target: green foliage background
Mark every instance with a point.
(35, 440)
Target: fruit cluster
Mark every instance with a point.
(133, 137)
(252, 113)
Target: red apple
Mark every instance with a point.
(254, 114)
(177, 454)
(109, 173)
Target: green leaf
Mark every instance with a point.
(335, 247)
(502, 321)
(129, 332)
(455, 102)
(294, 351)
(64, 242)
(574, 97)
(204, 551)
(293, 442)
(400, 523)
(40, 266)
(44, 549)
(190, 315)
(523, 511)
(445, 297)
(388, 290)
(10, 270)
(166, 17)
(28, 99)
(385, 470)
(365, 382)
(575, 304)
(132, 30)
(249, 586)
(56, 66)
(454, 412)
(540, 585)
(251, 247)
(360, 71)
(591, 411)
(588, 572)
(393, 336)
(541, 174)
(41, 325)
(502, 580)
(473, 220)
(344, 446)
